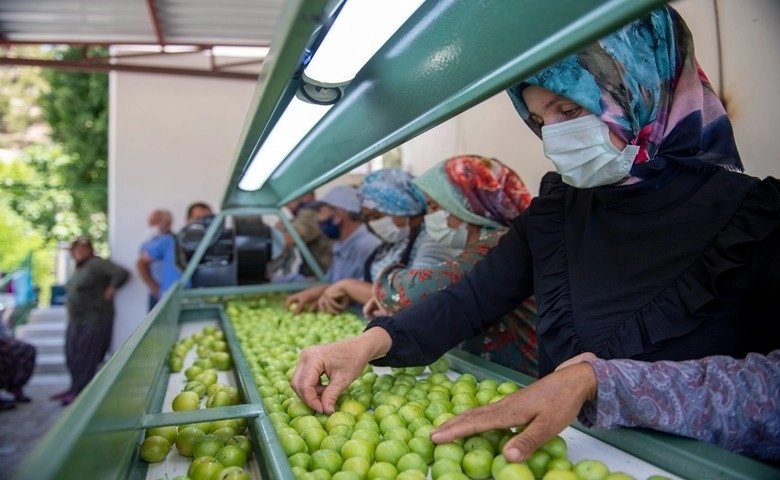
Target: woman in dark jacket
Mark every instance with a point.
(90, 303)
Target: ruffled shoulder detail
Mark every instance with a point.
(546, 237)
(676, 310)
(679, 308)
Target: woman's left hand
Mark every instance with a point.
(576, 359)
(334, 299)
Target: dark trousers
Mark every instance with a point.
(17, 361)
(86, 346)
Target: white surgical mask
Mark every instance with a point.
(437, 228)
(387, 230)
(154, 231)
(583, 153)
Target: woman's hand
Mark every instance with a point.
(109, 292)
(545, 408)
(304, 297)
(334, 299)
(576, 359)
(342, 362)
(372, 308)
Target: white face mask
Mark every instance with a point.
(583, 153)
(437, 228)
(154, 231)
(387, 230)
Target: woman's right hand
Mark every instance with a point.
(342, 362)
(304, 297)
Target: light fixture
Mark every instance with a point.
(359, 30)
(318, 94)
(298, 118)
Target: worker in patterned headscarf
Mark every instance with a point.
(471, 201)
(648, 244)
(393, 209)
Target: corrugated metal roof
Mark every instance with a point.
(161, 23)
(155, 22)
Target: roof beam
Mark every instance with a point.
(152, 6)
(102, 67)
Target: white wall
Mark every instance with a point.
(173, 138)
(172, 141)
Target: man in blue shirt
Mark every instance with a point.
(340, 219)
(156, 264)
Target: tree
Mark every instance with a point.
(76, 108)
(20, 116)
(36, 188)
(17, 239)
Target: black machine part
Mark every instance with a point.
(236, 256)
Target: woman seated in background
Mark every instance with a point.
(393, 208)
(17, 362)
(471, 201)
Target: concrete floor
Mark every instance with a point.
(22, 427)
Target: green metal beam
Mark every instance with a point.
(449, 56)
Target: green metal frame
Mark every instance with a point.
(98, 436)
(450, 56)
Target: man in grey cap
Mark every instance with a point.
(340, 219)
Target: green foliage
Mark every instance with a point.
(51, 192)
(76, 108)
(17, 239)
(21, 87)
(36, 188)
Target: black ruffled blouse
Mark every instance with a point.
(679, 267)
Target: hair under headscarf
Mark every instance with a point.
(476, 189)
(390, 191)
(644, 82)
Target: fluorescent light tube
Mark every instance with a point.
(298, 118)
(360, 29)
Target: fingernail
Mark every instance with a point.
(515, 455)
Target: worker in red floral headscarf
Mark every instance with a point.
(471, 201)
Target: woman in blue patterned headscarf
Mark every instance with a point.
(391, 192)
(645, 84)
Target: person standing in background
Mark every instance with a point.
(306, 223)
(198, 210)
(195, 211)
(90, 304)
(156, 265)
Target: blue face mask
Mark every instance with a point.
(330, 229)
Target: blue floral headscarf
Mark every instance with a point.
(391, 192)
(644, 82)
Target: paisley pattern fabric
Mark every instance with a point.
(511, 342)
(645, 83)
(732, 403)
